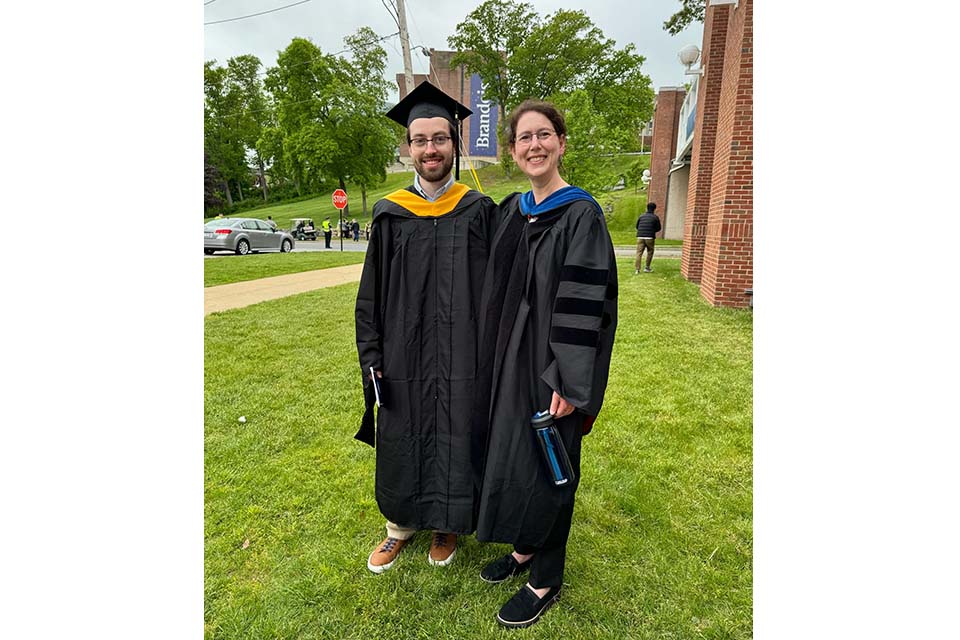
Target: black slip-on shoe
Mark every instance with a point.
(503, 568)
(525, 608)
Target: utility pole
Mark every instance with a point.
(405, 45)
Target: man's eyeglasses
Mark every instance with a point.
(525, 139)
(438, 141)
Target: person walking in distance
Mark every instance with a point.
(648, 225)
(416, 320)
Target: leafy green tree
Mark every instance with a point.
(297, 85)
(223, 141)
(692, 11)
(591, 145)
(566, 59)
(557, 58)
(330, 123)
(253, 113)
(490, 36)
(634, 175)
(621, 92)
(211, 186)
(270, 147)
(485, 41)
(236, 112)
(366, 140)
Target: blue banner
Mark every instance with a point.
(483, 122)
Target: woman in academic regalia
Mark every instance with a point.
(547, 326)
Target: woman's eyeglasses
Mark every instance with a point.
(525, 139)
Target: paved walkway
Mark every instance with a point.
(241, 294)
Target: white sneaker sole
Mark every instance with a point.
(441, 563)
(381, 568)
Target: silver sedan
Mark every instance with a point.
(244, 235)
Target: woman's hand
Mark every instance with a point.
(560, 407)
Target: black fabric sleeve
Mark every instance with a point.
(369, 343)
(367, 312)
(578, 312)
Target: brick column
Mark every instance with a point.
(728, 249)
(666, 119)
(704, 138)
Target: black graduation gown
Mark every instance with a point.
(550, 298)
(416, 320)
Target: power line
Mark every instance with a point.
(252, 15)
(362, 44)
(392, 11)
(209, 2)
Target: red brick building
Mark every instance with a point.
(715, 130)
(666, 119)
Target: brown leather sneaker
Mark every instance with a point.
(384, 555)
(442, 549)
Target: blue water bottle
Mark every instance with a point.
(551, 446)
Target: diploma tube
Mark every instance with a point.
(551, 446)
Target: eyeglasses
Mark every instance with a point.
(438, 141)
(525, 139)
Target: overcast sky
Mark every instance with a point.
(326, 23)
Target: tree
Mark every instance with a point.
(369, 139)
(567, 60)
(519, 55)
(253, 113)
(485, 42)
(236, 112)
(211, 186)
(634, 175)
(297, 84)
(222, 140)
(557, 58)
(692, 11)
(330, 122)
(488, 39)
(591, 145)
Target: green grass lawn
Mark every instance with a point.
(661, 545)
(227, 269)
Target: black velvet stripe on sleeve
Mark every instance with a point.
(579, 306)
(583, 275)
(612, 291)
(569, 335)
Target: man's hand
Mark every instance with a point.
(560, 407)
(379, 375)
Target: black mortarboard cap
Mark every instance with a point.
(427, 101)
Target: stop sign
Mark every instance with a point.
(339, 198)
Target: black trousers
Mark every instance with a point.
(326, 238)
(546, 567)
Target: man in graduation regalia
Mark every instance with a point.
(416, 317)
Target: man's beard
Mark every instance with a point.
(434, 175)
